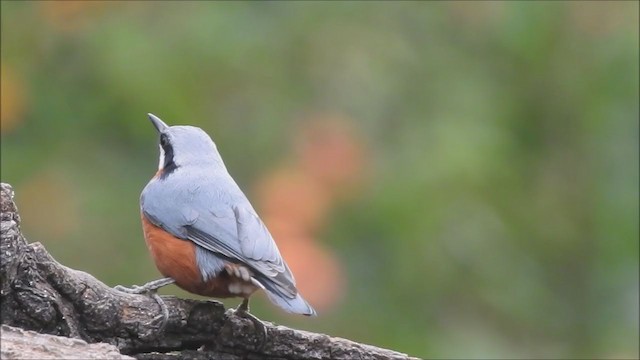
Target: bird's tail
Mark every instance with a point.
(297, 305)
(290, 301)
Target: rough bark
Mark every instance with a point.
(24, 344)
(37, 293)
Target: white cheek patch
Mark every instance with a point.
(161, 162)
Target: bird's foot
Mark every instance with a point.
(151, 289)
(146, 288)
(261, 329)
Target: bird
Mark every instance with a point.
(203, 233)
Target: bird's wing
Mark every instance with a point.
(238, 233)
(223, 226)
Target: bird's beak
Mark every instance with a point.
(159, 124)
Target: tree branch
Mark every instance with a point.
(40, 294)
(23, 344)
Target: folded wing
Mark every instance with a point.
(235, 232)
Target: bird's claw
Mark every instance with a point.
(243, 311)
(148, 287)
(151, 289)
(163, 309)
(135, 289)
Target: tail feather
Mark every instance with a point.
(296, 305)
(282, 297)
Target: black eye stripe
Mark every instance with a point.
(169, 165)
(163, 140)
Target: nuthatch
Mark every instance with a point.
(203, 233)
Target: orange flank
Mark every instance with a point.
(176, 258)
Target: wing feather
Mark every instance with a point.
(222, 222)
(251, 244)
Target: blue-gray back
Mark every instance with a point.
(211, 210)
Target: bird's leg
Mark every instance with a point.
(151, 288)
(244, 307)
(243, 311)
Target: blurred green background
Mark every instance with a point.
(447, 179)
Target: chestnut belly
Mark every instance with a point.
(176, 258)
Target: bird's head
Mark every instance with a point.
(183, 147)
